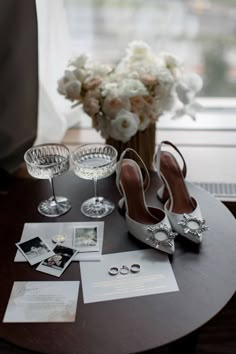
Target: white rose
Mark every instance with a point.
(144, 122)
(188, 86)
(138, 55)
(109, 89)
(80, 74)
(124, 126)
(168, 102)
(164, 77)
(189, 110)
(112, 105)
(101, 124)
(138, 50)
(170, 60)
(91, 105)
(97, 69)
(73, 90)
(61, 86)
(192, 81)
(65, 80)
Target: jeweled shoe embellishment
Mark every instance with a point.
(193, 225)
(152, 232)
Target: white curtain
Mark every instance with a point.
(55, 50)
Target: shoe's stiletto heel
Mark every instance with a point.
(182, 209)
(148, 224)
(145, 177)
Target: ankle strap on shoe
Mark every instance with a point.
(146, 179)
(157, 158)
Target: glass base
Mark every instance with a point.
(97, 207)
(53, 209)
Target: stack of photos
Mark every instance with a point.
(53, 262)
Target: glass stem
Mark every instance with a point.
(53, 192)
(95, 189)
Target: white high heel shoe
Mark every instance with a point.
(182, 209)
(148, 224)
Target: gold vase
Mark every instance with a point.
(143, 143)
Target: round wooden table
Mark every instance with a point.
(205, 275)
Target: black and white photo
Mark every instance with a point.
(86, 239)
(56, 264)
(35, 250)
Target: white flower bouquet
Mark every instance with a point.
(126, 98)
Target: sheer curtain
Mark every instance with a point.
(55, 50)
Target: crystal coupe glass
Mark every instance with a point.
(47, 161)
(94, 162)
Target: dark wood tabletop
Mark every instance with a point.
(205, 275)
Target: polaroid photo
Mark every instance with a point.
(56, 264)
(35, 250)
(86, 239)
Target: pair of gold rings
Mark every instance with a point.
(134, 268)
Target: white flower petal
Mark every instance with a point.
(124, 126)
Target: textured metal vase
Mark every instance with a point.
(143, 142)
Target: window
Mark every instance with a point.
(200, 32)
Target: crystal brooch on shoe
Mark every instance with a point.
(152, 235)
(193, 225)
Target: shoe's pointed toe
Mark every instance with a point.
(159, 236)
(191, 226)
